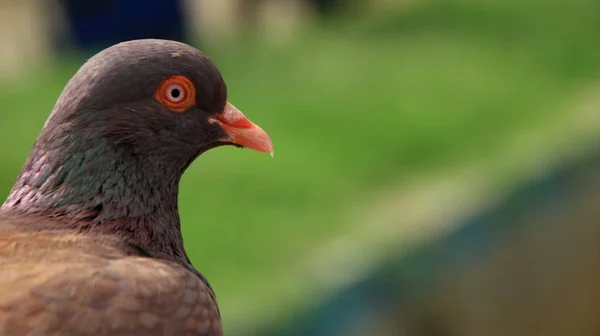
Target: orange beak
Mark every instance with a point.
(241, 131)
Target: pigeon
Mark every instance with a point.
(90, 237)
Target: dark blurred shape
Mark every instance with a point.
(325, 8)
(95, 25)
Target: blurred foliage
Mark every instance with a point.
(351, 105)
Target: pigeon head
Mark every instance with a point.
(161, 98)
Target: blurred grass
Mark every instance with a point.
(350, 106)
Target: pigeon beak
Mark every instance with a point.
(241, 131)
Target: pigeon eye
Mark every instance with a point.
(177, 93)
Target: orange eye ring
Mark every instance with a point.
(177, 93)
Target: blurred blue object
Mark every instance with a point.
(99, 24)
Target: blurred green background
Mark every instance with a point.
(367, 100)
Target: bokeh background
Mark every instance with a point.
(437, 168)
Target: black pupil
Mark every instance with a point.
(175, 93)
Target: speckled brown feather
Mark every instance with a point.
(67, 283)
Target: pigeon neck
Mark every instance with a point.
(104, 189)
